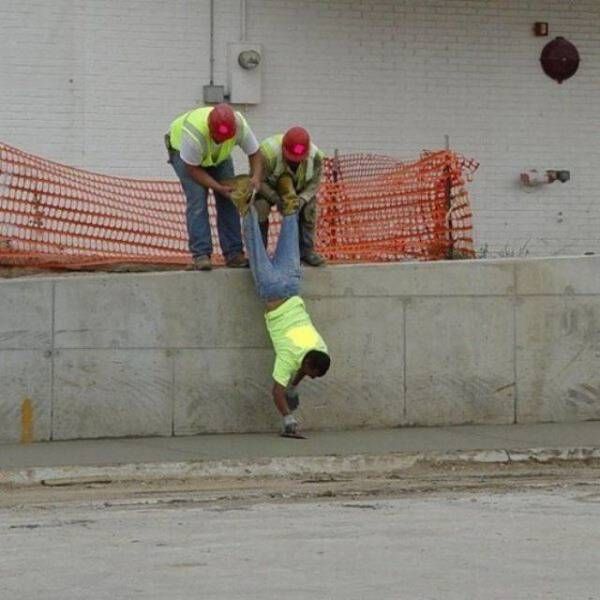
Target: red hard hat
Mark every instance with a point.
(296, 144)
(221, 123)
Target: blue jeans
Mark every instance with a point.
(198, 225)
(279, 278)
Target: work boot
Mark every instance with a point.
(312, 259)
(237, 261)
(202, 263)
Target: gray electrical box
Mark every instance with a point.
(213, 94)
(244, 70)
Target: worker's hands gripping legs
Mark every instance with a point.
(290, 203)
(241, 192)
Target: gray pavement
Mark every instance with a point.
(520, 531)
(522, 545)
(333, 443)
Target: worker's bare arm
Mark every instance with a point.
(201, 176)
(256, 169)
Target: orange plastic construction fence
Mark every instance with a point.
(371, 208)
(376, 208)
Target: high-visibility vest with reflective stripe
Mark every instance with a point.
(195, 124)
(271, 149)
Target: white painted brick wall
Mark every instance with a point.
(95, 83)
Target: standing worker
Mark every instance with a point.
(200, 143)
(295, 155)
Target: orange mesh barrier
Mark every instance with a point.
(372, 208)
(52, 215)
(376, 208)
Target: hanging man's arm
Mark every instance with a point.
(290, 424)
(280, 400)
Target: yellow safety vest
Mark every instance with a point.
(276, 165)
(195, 124)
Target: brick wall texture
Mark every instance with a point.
(95, 84)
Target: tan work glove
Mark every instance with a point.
(242, 192)
(289, 199)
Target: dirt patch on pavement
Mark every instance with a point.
(230, 494)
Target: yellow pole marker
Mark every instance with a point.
(26, 421)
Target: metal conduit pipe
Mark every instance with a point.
(243, 18)
(212, 41)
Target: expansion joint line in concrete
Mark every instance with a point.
(514, 353)
(404, 355)
(173, 361)
(52, 353)
(168, 349)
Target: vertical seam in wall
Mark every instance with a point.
(173, 358)
(52, 352)
(404, 354)
(514, 308)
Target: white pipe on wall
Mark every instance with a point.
(212, 41)
(243, 17)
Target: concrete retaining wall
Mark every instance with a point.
(181, 353)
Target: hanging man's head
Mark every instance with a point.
(316, 363)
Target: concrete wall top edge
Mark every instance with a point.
(440, 278)
(558, 276)
(61, 275)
